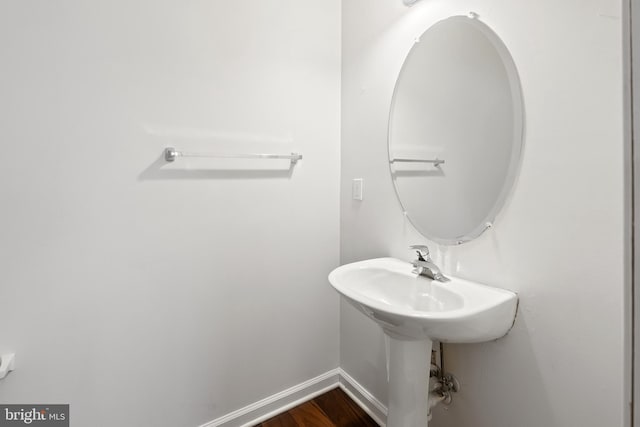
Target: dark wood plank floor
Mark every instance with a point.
(332, 409)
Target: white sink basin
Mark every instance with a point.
(414, 311)
(409, 306)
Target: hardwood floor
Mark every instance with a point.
(332, 409)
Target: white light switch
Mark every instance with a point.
(356, 189)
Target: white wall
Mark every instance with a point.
(559, 242)
(143, 294)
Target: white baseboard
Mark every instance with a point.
(280, 402)
(367, 401)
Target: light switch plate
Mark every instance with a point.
(356, 189)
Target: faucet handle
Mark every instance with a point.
(422, 251)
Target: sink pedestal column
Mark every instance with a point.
(409, 365)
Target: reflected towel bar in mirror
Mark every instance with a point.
(170, 154)
(436, 161)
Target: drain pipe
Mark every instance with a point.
(442, 386)
(441, 357)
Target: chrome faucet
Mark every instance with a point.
(424, 265)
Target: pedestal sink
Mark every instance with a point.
(414, 311)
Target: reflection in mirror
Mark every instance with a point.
(455, 130)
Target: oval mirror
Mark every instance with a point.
(455, 130)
